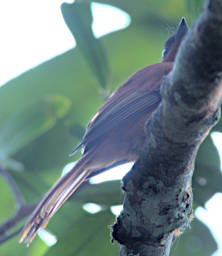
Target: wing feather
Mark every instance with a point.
(134, 106)
(137, 96)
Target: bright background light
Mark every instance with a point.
(108, 19)
(47, 237)
(92, 208)
(116, 209)
(33, 32)
(117, 173)
(211, 216)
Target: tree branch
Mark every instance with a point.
(19, 200)
(6, 237)
(158, 198)
(22, 210)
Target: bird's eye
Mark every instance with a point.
(164, 52)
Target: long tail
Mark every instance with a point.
(54, 199)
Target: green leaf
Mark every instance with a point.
(7, 201)
(149, 11)
(196, 241)
(194, 7)
(31, 186)
(78, 18)
(12, 247)
(11, 164)
(25, 125)
(106, 193)
(207, 178)
(80, 233)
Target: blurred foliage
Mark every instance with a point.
(79, 19)
(195, 241)
(44, 112)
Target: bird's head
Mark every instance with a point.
(172, 44)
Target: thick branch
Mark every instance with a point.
(158, 198)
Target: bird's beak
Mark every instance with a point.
(182, 29)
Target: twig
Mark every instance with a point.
(19, 200)
(6, 237)
(20, 214)
(22, 209)
(16, 218)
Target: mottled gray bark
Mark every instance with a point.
(158, 194)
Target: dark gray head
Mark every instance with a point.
(172, 44)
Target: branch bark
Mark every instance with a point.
(158, 193)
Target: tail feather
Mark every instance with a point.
(53, 200)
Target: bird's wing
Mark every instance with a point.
(137, 96)
(131, 107)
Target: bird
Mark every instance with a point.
(114, 135)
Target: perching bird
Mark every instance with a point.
(114, 135)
